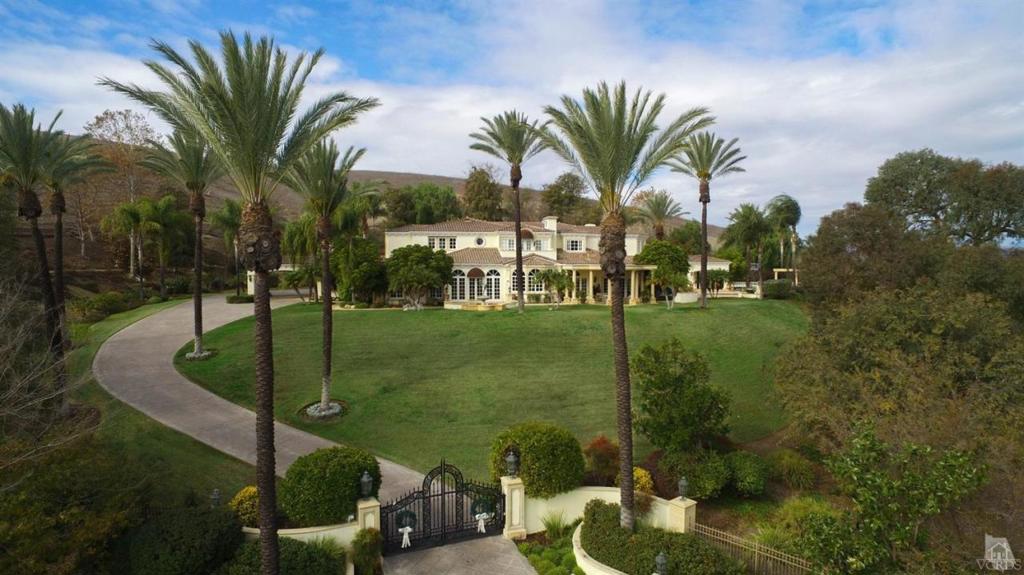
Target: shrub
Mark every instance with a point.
(792, 469)
(748, 473)
(244, 298)
(322, 488)
(789, 523)
(555, 526)
(777, 289)
(297, 558)
(245, 504)
(178, 285)
(634, 553)
(705, 471)
(550, 458)
(101, 305)
(155, 299)
(676, 406)
(366, 549)
(186, 541)
(602, 461)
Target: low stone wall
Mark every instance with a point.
(343, 533)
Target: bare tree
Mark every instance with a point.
(126, 134)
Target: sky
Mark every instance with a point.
(818, 93)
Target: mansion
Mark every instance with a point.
(484, 259)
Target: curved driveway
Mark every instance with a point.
(136, 365)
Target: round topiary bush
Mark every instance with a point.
(246, 505)
(186, 541)
(322, 488)
(296, 558)
(748, 473)
(705, 471)
(550, 459)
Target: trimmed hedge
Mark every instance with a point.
(245, 504)
(296, 558)
(634, 553)
(748, 473)
(186, 541)
(322, 488)
(366, 550)
(705, 471)
(777, 289)
(550, 458)
(244, 298)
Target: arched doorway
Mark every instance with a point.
(458, 285)
(492, 284)
(476, 283)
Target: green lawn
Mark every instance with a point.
(432, 384)
(179, 463)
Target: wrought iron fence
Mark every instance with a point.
(758, 558)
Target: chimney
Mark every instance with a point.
(550, 223)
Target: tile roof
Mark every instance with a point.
(477, 256)
(482, 226)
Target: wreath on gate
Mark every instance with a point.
(405, 518)
(483, 504)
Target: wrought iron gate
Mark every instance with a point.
(447, 508)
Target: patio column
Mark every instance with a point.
(590, 287)
(607, 291)
(575, 296)
(650, 281)
(633, 299)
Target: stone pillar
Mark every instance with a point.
(590, 287)
(633, 288)
(607, 291)
(250, 283)
(650, 281)
(575, 296)
(682, 515)
(368, 513)
(515, 507)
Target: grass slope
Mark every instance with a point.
(433, 384)
(180, 463)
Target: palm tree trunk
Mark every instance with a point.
(262, 254)
(705, 198)
(265, 457)
(197, 291)
(613, 263)
(792, 256)
(131, 253)
(238, 271)
(659, 231)
(521, 285)
(53, 323)
(163, 265)
(328, 326)
(760, 270)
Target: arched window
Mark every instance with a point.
(458, 285)
(533, 283)
(492, 284)
(513, 286)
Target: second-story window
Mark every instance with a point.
(441, 243)
(574, 245)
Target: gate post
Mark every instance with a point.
(368, 513)
(682, 515)
(515, 507)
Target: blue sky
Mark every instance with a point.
(819, 93)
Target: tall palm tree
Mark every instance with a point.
(749, 230)
(247, 110)
(24, 152)
(321, 176)
(784, 213)
(190, 163)
(614, 143)
(228, 219)
(657, 209)
(367, 203)
(126, 220)
(513, 139)
(705, 158)
(68, 162)
(166, 224)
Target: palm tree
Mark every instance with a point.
(300, 245)
(749, 229)
(24, 152)
(367, 203)
(190, 163)
(166, 223)
(513, 139)
(68, 161)
(784, 214)
(228, 219)
(126, 220)
(707, 157)
(247, 110)
(614, 143)
(321, 176)
(657, 209)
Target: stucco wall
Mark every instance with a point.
(571, 506)
(343, 533)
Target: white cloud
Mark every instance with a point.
(814, 122)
